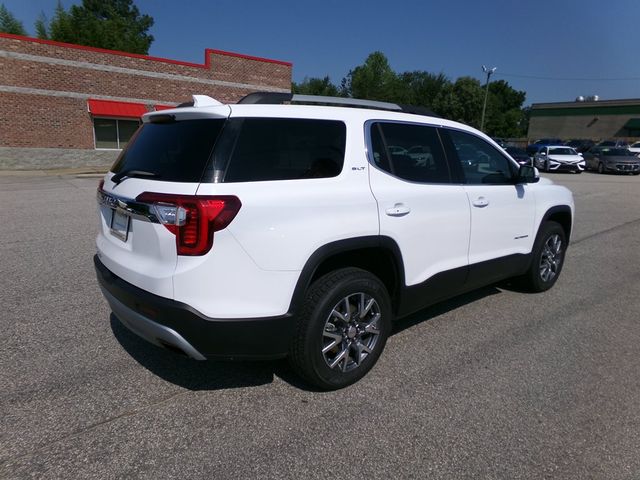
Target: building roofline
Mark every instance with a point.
(604, 103)
(207, 57)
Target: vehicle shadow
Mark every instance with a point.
(217, 375)
(196, 375)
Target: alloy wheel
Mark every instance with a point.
(351, 332)
(551, 258)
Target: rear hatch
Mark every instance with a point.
(148, 210)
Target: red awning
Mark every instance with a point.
(109, 108)
(163, 107)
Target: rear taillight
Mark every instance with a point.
(192, 218)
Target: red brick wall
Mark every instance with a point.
(39, 121)
(229, 68)
(44, 120)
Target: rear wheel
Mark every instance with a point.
(547, 258)
(344, 326)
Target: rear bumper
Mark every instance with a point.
(175, 325)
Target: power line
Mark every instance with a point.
(571, 79)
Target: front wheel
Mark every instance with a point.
(547, 258)
(344, 326)
(600, 168)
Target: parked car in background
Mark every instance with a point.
(580, 145)
(613, 143)
(635, 148)
(559, 158)
(548, 141)
(519, 155)
(535, 147)
(611, 159)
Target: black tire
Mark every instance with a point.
(547, 258)
(600, 168)
(546, 166)
(322, 325)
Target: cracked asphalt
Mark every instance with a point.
(496, 384)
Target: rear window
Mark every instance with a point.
(173, 151)
(261, 149)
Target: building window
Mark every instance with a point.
(113, 133)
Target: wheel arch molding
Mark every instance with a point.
(379, 255)
(561, 214)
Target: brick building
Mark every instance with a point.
(67, 105)
(595, 120)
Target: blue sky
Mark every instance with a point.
(553, 50)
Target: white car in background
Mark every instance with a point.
(635, 148)
(559, 158)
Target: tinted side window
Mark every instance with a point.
(411, 152)
(281, 149)
(481, 162)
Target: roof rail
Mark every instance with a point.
(271, 98)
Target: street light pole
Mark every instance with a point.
(488, 71)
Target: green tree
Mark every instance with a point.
(60, 28)
(421, 88)
(373, 80)
(316, 86)
(9, 23)
(461, 101)
(41, 26)
(111, 24)
(505, 115)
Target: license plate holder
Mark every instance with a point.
(120, 223)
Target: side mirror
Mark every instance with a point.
(527, 174)
(543, 152)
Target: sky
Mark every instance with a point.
(552, 50)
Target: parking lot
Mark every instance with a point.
(494, 384)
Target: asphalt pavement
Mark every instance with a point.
(496, 384)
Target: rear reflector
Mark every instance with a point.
(192, 218)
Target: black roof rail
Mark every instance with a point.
(274, 98)
(266, 98)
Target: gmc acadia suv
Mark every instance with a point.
(266, 230)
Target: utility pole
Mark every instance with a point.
(488, 71)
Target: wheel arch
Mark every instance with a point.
(561, 214)
(378, 255)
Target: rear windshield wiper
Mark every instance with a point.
(119, 177)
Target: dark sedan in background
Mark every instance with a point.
(580, 145)
(612, 159)
(519, 155)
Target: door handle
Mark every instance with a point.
(398, 210)
(480, 202)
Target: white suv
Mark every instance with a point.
(265, 230)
